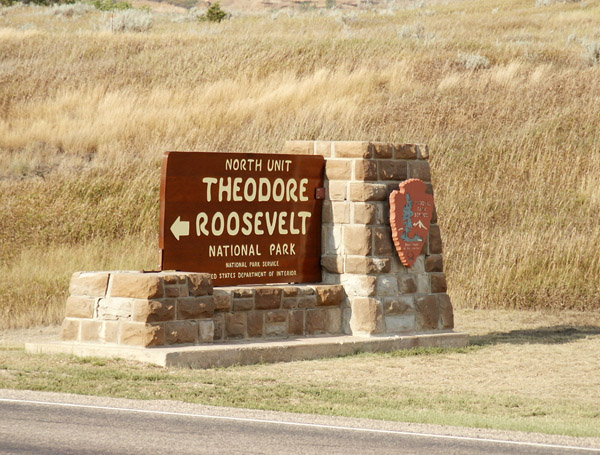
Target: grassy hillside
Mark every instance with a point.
(506, 94)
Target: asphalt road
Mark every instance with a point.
(53, 427)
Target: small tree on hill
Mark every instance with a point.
(214, 13)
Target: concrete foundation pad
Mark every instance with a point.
(252, 352)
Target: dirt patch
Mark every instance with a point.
(19, 337)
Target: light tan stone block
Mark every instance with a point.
(367, 265)
(206, 331)
(362, 192)
(181, 332)
(382, 150)
(406, 151)
(115, 308)
(330, 295)
(90, 330)
(109, 333)
(365, 213)
(358, 240)
(136, 285)
(338, 190)
(140, 334)
(331, 238)
(200, 284)
(341, 212)
(423, 150)
(365, 170)
(367, 316)
(334, 321)
(92, 284)
(299, 147)
(80, 307)
(69, 330)
(323, 148)
(195, 308)
(268, 298)
(352, 149)
(153, 310)
(333, 264)
(419, 169)
(359, 285)
(338, 169)
(393, 170)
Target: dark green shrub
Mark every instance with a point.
(37, 2)
(215, 13)
(111, 5)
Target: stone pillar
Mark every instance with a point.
(358, 252)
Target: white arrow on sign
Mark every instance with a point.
(180, 228)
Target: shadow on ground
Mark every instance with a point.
(544, 335)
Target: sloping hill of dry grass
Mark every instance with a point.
(504, 92)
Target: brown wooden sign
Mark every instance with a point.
(411, 210)
(245, 218)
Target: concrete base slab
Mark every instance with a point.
(252, 352)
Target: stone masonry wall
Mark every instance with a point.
(365, 289)
(171, 308)
(358, 252)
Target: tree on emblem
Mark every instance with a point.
(407, 221)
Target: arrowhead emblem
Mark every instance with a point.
(180, 228)
(411, 210)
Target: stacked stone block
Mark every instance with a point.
(248, 312)
(139, 309)
(358, 252)
(172, 308)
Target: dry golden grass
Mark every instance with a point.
(85, 115)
